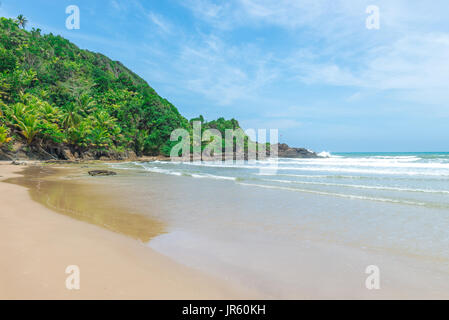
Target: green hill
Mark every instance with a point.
(56, 99)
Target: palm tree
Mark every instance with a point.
(86, 103)
(50, 114)
(71, 116)
(22, 21)
(78, 135)
(17, 112)
(104, 120)
(29, 127)
(100, 137)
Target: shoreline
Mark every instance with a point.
(38, 244)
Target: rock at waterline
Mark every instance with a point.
(95, 173)
(284, 151)
(18, 163)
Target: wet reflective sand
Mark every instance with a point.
(88, 202)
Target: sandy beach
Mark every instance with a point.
(37, 245)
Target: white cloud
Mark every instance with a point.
(223, 73)
(415, 62)
(160, 22)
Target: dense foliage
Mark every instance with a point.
(53, 94)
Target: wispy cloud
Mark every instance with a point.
(222, 73)
(405, 59)
(416, 62)
(161, 22)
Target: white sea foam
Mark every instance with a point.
(391, 171)
(387, 170)
(341, 195)
(358, 186)
(380, 163)
(185, 173)
(325, 154)
(211, 176)
(164, 171)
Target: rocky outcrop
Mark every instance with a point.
(20, 151)
(4, 155)
(284, 151)
(66, 155)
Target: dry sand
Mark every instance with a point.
(37, 245)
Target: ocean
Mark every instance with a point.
(257, 218)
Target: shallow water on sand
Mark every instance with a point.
(88, 202)
(392, 209)
(390, 202)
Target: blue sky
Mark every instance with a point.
(309, 68)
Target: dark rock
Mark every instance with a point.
(284, 151)
(4, 156)
(62, 161)
(95, 173)
(18, 163)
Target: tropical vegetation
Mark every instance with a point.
(54, 96)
